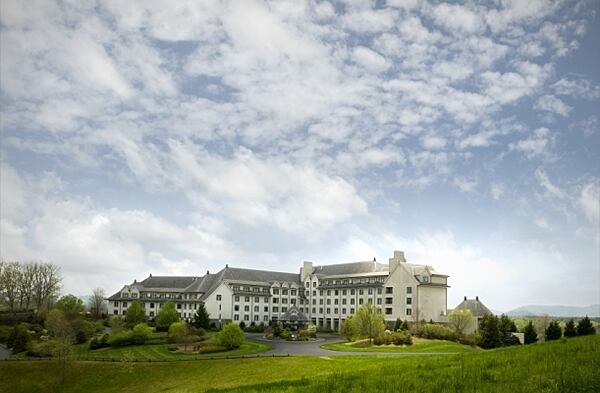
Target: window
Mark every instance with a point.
(409, 300)
(283, 309)
(408, 311)
(344, 292)
(256, 299)
(388, 300)
(314, 293)
(408, 289)
(351, 301)
(151, 314)
(256, 317)
(246, 317)
(256, 309)
(343, 311)
(321, 302)
(246, 308)
(328, 301)
(314, 310)
(336, 292)
(370, 291)
(343, 301)
(236, 317)
(151, 305)
(361, 292)
(124, 304)
(293, 301)
(389, 290)
(388, 311)
(246, 298)
(237, 298)
(116, 304)
(314, 302)
(265, 318)
(314, 284)
(370, 301)
(275, 291)
(352, 291)
(266, 309)
(425, 279)
(379, 291)
(284, 291)
(275, 309)
(179, 306)
(379, 301)
(360, 301)
(218, 297)
(275, 300)
(284, 300)
(335, 310)
(293, 292)
(329, 292)
(320, 292)
(236, 307)
(116, 312)
(307, 284)
(320, 310)
(351, 311)
(328, 310)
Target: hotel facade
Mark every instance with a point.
(323, 294)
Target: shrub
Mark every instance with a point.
(140, 333)
(99, 342)
(4, 333)
(18, 338)
(176, 329)
(242, 325)
(402, 338)
(434, 332)
(230, 337)
(120, 339)
(211, 348)
(41, 349)
(530, 333)
(469, 339)
(83, 330)
(307, 334)
(348, 329)
(286, 335)
(255, 328)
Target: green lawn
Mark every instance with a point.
(160, 352)
(570, 366)
(419, 346)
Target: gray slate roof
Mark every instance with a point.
(351, 268)
(478, 309)
(179, 282)
(234, 273)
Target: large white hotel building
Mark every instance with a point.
(325, 294)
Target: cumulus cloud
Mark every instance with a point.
(536, 145)
(552, 104)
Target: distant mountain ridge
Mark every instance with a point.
(556, 311)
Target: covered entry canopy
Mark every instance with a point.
(294, 316)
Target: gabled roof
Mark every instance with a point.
(478, 309)
(294, 315)
(350, 268)
(252, 275)
(179, 282)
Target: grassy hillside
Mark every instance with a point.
(570, 366)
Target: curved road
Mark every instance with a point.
(313, 348)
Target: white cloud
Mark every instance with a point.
(465, 185)
(434, 142)
(552, 104)
(369, 59)
(497, 191)
(458, 18)
(535, 145)
(551, 189)
(579, 88)
(589, 200)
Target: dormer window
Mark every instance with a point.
(425, 278)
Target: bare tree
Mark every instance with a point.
(10, 283)
(25, 284)
(96, 302)
(46, 284)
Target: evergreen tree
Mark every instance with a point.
(404, 325)
(398, 324)
(553, 332)
(201, 317)
(570, 329)
(507, 327)
(490, 332)
(242, 325)
(584, 327)
(530, 333)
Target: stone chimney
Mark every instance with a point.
(477, 298)
(150, 274)
(306, 270)
(465, 298)
(396, 260)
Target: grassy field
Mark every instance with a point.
(570, 366)
(160, 352)
(419, 346)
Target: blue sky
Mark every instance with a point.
(138, 138)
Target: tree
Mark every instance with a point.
(96, 303)
(460, 320)
(398, 324)
(135, 313)
(181, 333)
(23, 285)
(570, 329)
(166, 316)
(64, 336)
(348, 328)
(11, 272)
(71, 305)
(46, 284)
(141, 332)
(507, 327)
(530, 333)
(584, 327)
(201, 317)
(553, 331)
(369, 322)
(490, 332)
(242, 325)
(231, 336)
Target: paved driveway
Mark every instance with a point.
(313, 348)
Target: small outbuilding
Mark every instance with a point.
(477, 308)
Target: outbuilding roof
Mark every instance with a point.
(477, 308)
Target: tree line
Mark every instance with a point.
(28, 286)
